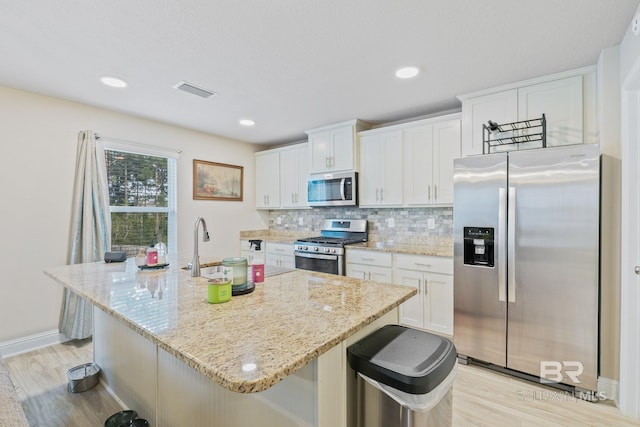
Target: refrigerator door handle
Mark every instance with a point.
(502, 229)
(511, 243)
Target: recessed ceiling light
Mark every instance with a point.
(113, 81)
(246, 122)
(407, 72)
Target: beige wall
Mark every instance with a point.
(38, 136)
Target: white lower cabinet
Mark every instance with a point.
(280, 255)
(369, 265)
(245, 250)
(432, 307)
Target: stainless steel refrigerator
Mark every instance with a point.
(526, 262)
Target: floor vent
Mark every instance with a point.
(195, 90)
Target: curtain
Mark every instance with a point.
(90, 233)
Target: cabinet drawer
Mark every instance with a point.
(279, 248)
(358, 256)
(429, 264)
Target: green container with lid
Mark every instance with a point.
(235, 269)
(218, 291)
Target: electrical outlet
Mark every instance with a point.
(431, 223)
(301, 221)
(635, 25)
(391, 222)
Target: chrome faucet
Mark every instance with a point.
(195, 263)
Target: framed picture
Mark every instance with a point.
(217, 181)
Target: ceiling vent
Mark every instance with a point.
(195, 90)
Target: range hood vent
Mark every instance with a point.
(195, 90)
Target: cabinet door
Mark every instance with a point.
(446, 147)
(561, 102)
(499, 107)
(391, 190)
(439, 303)
(245, 250)
(342, 147)
(357, 271)
(412, 310)
(268, 180)
(369, 272)
(380, 180)
(380, 274)
(371, 163)
(418, 166)
(293, 177)
(321, 151)
(332, 150)
(280, 261)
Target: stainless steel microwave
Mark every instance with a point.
(333, 189)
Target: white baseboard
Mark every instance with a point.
(609, 388)
(31, 342)
(112, 394)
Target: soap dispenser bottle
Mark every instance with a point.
(257, 262)
(152, 255)
(162, 252)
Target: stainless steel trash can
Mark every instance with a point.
(405, 378)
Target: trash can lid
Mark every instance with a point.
(404, 358)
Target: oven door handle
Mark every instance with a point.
(316, 256)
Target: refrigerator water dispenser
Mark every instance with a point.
(478, 246)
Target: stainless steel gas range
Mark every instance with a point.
(325, 253)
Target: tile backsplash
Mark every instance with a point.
(397, 224)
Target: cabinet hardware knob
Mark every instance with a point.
(637, 269)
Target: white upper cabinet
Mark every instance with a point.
(568, 101)
(446, 147)
(429, 150)
(335, 148)
(561, 102)
(380, 179)
(294, 170)
(281, 177)
(501, 107)
(268, 179)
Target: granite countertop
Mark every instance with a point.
(439, 247)
(429, 246)
(275, 236)
(249, 343)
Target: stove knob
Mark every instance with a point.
(304, 248)
(326, 249)
(315, 248)
(333, 251)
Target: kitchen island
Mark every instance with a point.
(276, 356)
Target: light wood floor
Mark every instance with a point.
(40, 377)
(480, 397)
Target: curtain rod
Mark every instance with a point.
(139, 144)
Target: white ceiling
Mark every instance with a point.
(293, 65)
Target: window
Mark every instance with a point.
(142, 197)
